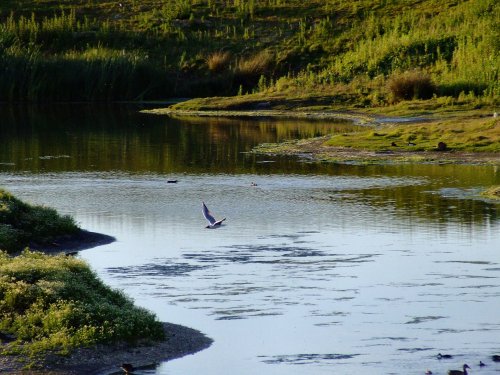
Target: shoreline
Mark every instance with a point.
(72, 243)
(314, 149)
(357, 118)
(104, 359)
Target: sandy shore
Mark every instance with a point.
(104, 359)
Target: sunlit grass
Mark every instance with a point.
(492, 193)
(458, 134)
(172, 49)
(56, 303)
(21, 223)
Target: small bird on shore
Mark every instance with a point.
(71, 253)
(444, 356)
(127, 368)
(211, 220)
(458, 372)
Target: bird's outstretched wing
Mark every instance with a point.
(208, 215)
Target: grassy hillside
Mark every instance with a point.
(361, 51)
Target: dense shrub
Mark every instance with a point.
(411, 85)
(57, 303)
(21, 223)
(250, 69)
(218, 61)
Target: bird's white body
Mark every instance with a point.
(210, 218)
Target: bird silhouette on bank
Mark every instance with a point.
(458, 372)
(211, 220)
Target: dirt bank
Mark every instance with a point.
(107, 359)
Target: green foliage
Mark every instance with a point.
(56, 303)
(21, 223)
(81, 50)
(481, 135)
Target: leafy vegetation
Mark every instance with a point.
(22, 224)
(56, 303)
(151, 49)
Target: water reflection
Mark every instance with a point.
(89, 138)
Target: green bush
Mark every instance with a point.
(57, 303)
(21, 223)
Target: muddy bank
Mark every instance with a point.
(316, 150)
(82, 240)
(107, 359)
(357, 118)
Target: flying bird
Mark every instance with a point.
(212, 222)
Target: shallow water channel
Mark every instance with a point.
(319, 269)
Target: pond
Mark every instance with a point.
(318, 269)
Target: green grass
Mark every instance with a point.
(153, 49)
(478, 135)
(21, 223)
(492, 193)
(53, 304)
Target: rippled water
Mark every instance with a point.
(319, 270)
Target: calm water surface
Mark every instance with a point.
(319, 269)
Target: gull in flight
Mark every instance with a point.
(212, 222)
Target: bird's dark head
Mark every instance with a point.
(466, 366)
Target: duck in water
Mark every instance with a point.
(444, 356)
(458, 372)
